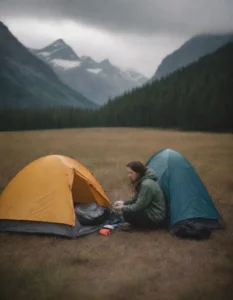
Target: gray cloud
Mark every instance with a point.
(131, 33)
(140, 17)
(126, 51)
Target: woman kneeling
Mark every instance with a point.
(147, 207)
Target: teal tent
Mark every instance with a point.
(187, 197)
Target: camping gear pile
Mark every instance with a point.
(57, 195)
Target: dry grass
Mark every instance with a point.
(139, 265)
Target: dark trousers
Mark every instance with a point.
(141, 220)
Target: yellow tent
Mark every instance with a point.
(41, 197)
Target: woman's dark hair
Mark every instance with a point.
(137, 167)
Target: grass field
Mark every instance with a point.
(137, 265)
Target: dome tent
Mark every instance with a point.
(41, 197)
(189, 203)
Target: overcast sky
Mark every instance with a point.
(134, 34)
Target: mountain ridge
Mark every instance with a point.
(98, 81)
(26, 81)
(190, 51)
(195, 97)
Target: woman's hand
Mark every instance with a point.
(118, 203)
(118, 207)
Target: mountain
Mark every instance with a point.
(27, 82)
(191, 51)
(98, 81)
(196, 97)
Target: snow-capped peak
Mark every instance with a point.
(102, 79)
(57, 46)
(59, 43)
(58, 50)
